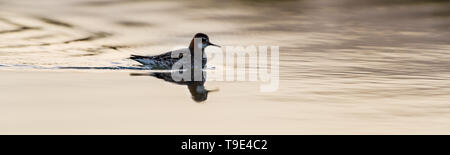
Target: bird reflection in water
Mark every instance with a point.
(196, 87)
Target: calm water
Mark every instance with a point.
(346, 67)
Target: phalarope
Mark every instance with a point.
(166, 61)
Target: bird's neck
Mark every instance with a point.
(192, 49)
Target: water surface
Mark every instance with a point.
(346, 67)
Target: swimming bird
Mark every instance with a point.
(167, 60)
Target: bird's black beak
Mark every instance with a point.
(211, 44)
(214, 90)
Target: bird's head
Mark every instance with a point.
(204, 41)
